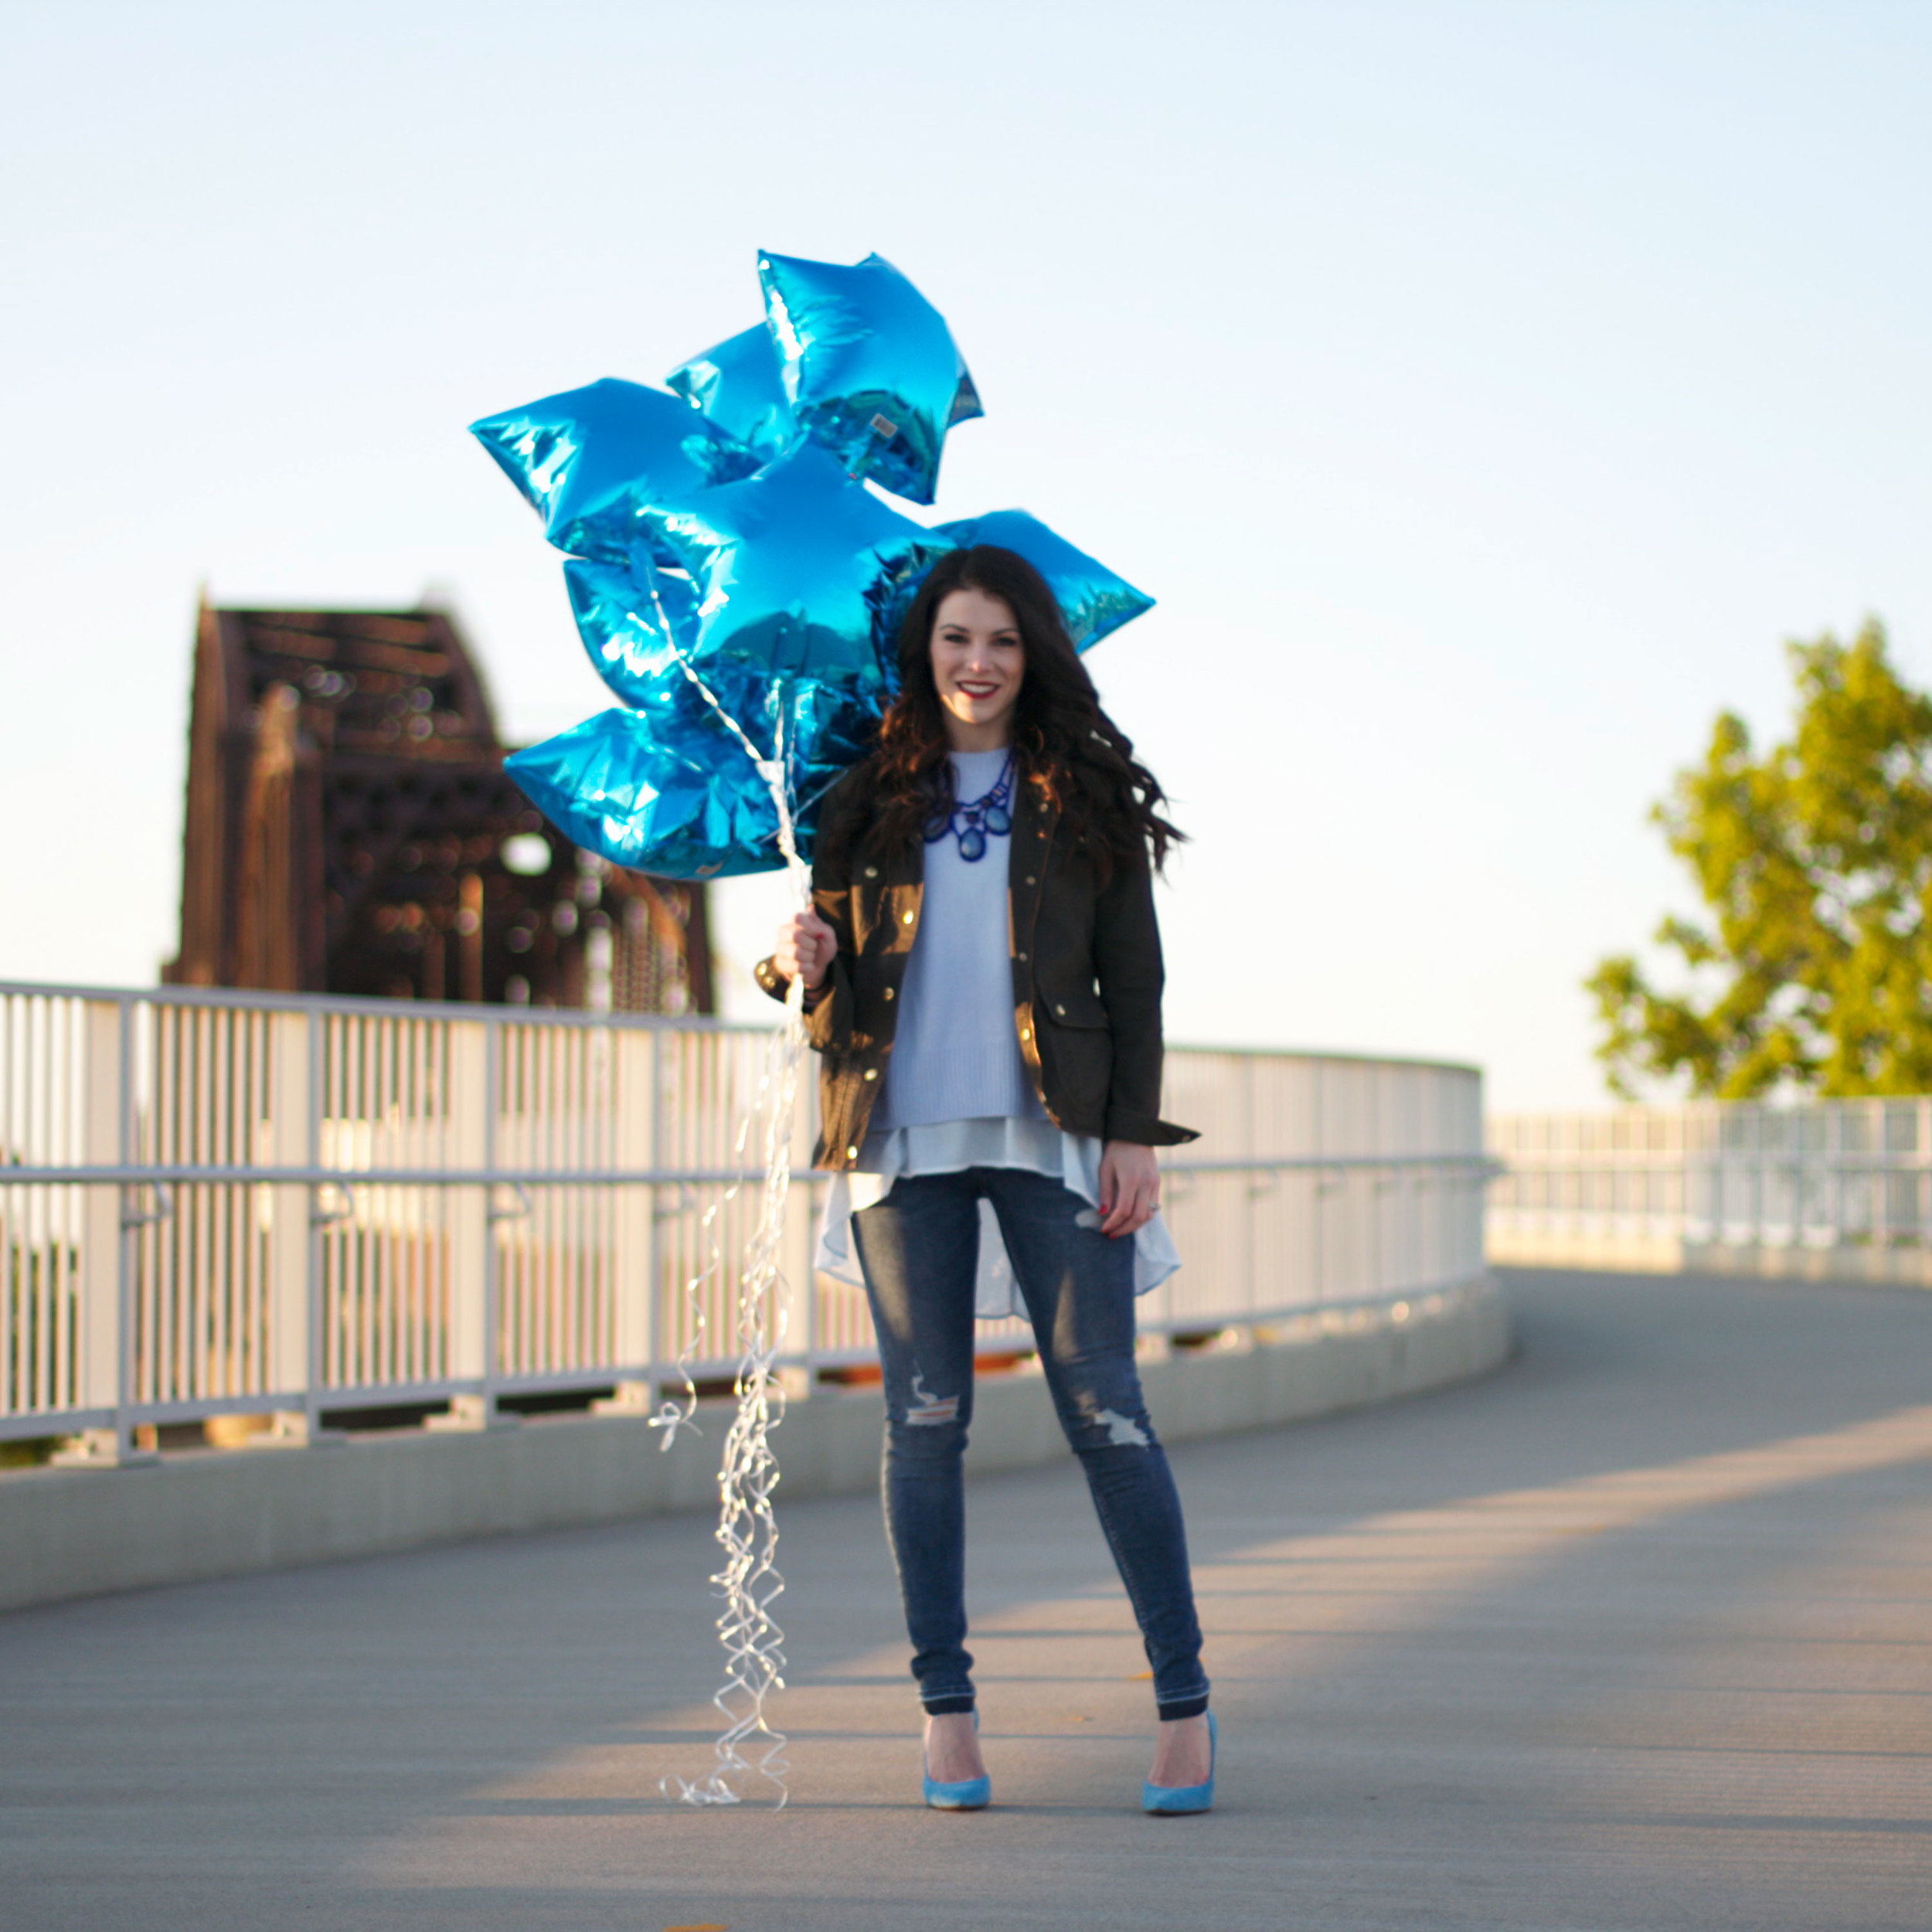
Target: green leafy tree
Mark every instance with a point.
(1815, 862)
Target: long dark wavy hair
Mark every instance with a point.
(1067, 750)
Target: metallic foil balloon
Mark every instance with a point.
(1093, 600)
(798, 571)
(966, 403)
(670, 788)
(588, 460)
(636, 622)
(622, 615)
(687, 808)
(738, 386)
(869, 366)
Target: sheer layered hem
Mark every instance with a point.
(947, 1146)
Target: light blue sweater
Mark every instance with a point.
(955, 1055)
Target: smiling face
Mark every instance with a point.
(979, 662)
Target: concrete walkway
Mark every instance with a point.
(1636, 1633)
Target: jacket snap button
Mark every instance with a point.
(1031, 881)
(1026, 1032)
(872, 872)
(1020, 956)
(1061, 1011)
(871, 1073)
(851, 1153)
(906, 918)
(890, 992)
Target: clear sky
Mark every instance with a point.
(1485, 391)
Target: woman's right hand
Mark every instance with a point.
(806, 944)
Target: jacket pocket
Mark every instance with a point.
(1076, 1058)
(1080, 1007)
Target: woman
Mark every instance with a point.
(983, 979)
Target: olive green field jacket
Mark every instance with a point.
(1086, 961)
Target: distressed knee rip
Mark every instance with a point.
(1088, 1412)
(930, 1410)
(1122, 1431)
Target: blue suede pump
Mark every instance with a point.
(962, 1795)
(1170, 1801)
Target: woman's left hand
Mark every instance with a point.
(1129, 1187)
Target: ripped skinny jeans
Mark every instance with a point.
(919, 1248)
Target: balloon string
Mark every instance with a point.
(749, 1581)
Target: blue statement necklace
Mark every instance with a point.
(972, 822)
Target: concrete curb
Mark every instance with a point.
(70, 1533)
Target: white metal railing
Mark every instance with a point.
(1655, 1185)
(218, 1202)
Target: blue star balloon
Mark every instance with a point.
(587, 460)
(636, 622)
(669, 788)
(798, 570)
(737, 386)
(686, 809)
(966, 403)
(869, 366)
(1093, 599)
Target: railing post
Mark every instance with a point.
(1318, 1193)
(294, 1323)
(469, 1133)
(634, 1074)
(1921, 1150)
(654, 1277)
(1250, 1198)
(1471, 1236)
(105, 1352)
